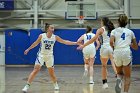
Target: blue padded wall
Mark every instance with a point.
(63, 54)
(16, 42)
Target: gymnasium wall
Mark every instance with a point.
(19, 40)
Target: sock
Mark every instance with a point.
(28, 84)
(91, 78)
(104, 81)
(86, 66)
(55, 84)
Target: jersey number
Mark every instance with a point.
(48, 46)
(123, 36)
(88, 37)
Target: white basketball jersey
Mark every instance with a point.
(105, 38)
(87, 37)
(46, 46)
(123, 37)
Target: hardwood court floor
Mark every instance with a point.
(13, 79)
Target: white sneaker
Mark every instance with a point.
(25, 89)
(56, 87)
(105, 86)
(118, 86)
(91, 82)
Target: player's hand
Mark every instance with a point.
(80, 47)
(97, 48)
(26, 51)
(79, 43)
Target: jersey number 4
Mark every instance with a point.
(48, 46)
(123, 36)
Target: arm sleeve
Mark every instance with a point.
(113, 33)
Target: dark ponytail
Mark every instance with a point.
(47, 26)
(108, 24)
(88, 29)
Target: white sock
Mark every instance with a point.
(86, 67)
(28, 84)
(91, 78)
(55, 84)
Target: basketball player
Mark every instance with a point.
(106, 50)
(121, 40)
(45, 54)
(89, 52)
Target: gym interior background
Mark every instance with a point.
(21, 21)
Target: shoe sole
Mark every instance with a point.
(117, 88)
(24, 91)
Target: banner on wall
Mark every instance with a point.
(6, 4)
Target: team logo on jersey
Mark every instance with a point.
(48, 42)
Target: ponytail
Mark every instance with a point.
(88, 29)
(108, 24)
(47, 26)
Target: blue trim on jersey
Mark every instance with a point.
(38, 60)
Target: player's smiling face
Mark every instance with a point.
(51, 28)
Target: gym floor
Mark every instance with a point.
(13, 79)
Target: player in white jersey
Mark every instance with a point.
(121, 40)
(89, 52)
(45, 54)
(106, 50)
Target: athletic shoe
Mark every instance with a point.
(118, 86)
(91, 82)
(105, 86)
(56, 87)
(25, 89)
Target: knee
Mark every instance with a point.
(120, 73)
(36, 70)
(104, 66)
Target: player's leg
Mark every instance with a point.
(127, 76)
(50, 65)
(104, 56)
(127, 69)
(91, 70)
(104, 72)
(113, 64)
(119, 67)
(119, 79)
(32, 75)
(53, 77)
(86, 66)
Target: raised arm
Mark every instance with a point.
(79, 41)
(66, 42)
(98, 44)
(98, 33)
(33, 45)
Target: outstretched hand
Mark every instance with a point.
(80, 47)
(26, 51)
